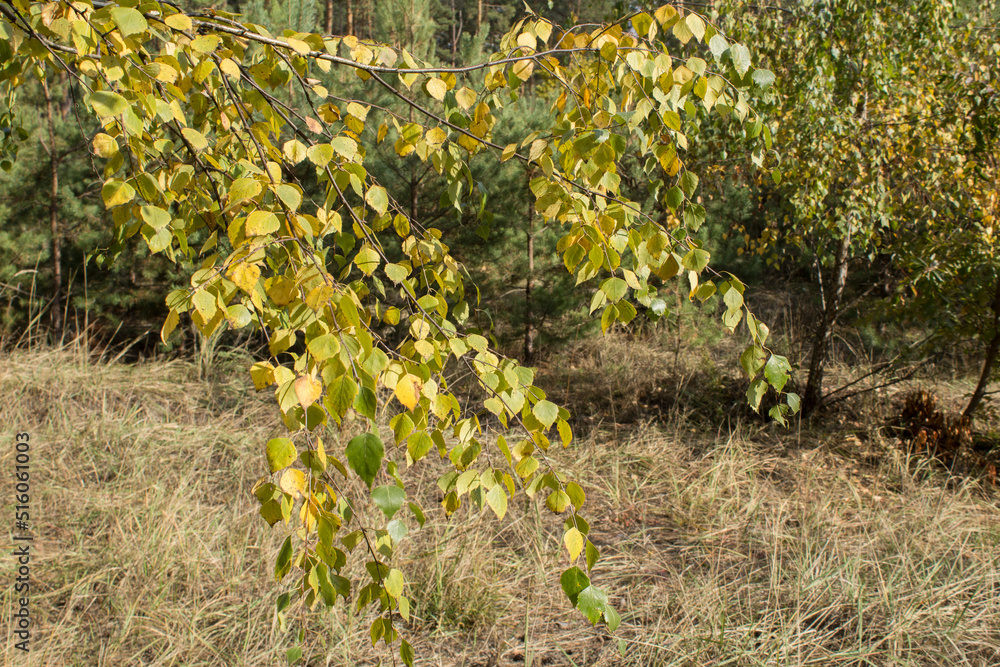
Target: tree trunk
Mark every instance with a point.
(479, 19)
(328, 17)
(529, 333)
(813, 397)
(991, 358)
(54, 227)
(350, 17)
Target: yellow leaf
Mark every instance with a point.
(282, 290)
(261, 222)
(543, 29)
(299, 45)
(116, 193)
(367, 260)
(105, 145)
(407, 390)
(574, 540)
(293, 482)
(307, 390)
(522, 69)
(436, 88)
(169, 325)
(178, 22)
(294, 151)
(359, 111)
(436, 136)
(245, 276)
(229, 68)
(206, 43)
(195, 138)
(465, 97)
(319, 297)
(320, 154)
(262, 374)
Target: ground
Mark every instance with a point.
(741, 544)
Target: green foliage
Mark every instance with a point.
(871, 137)
(211, 159)
(133, 285)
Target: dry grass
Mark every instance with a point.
(750, 547)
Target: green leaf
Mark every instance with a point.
(128, 20)
(574, 581)
(755, 392)
(763, 77)
(705, 291)
(592, 555)
(260, 223)
(116, 193)
(155, 217)
(777, 371)
(674, 198)
(732, 298)
(694, 216)
(497, 500)
(107, 104)
(289, 195)
(366, 403)
(615, 288)
(280, 453)
(752, 360)
(741, 58)
(546, 411)
(345, 147)
(793, 402)
(340, 395)
(195, 138)
(243, 188)
(418, 445)
(378, 199)
(689, 182)
(592, 601)
(695, 260)
(642, 22)
(364, 455)
(323, 347)
(406, 653)
(283, 564)
(388, 498)
(777, 413)
(320, 154)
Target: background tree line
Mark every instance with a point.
(885, 117)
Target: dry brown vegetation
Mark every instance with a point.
(747, 545)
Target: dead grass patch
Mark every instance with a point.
(748, 547)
